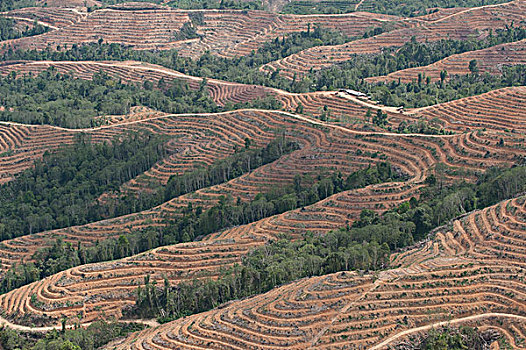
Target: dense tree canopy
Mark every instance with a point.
(6, 5)
(62, 188)
(97, 334)
(8, 30)
(60, 99)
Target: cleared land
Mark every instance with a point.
(226, 33)
(20, 145)
(458, 26)
(54, 18)
(107, 288)
(474, 275)
(471, 272)
(490, 60)
(499, 110)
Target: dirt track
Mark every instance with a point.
(455, 321)
(4, 322)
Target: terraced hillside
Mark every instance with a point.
(474, 22)
(226, 33)
(472, 275)
(108, 287)
(54, 18)
(471, 271)
(68, 3)
(491, 234)
(490, 60)
(19, 159)
(313, 104)
(108, 24)
(504, 104)
(222, 92)
(335, 105)
(256, 30)
(189, 150)
(497, 110)
(24, 144)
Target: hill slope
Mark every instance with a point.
(113, 283)
(460, 281)
(458, 26)
(193, 213)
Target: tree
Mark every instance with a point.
(67, 345)
(123, 245)
(161, 84)
(148, 85)
(248, 142)
(443, 75)
(402, 126)
(473, 66)
(422, 219)
(63, 322)
(380, 118)
(297, 183)
(299, 108)
(2, 232)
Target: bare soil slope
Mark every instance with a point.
(460, 25)
(475, 277)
